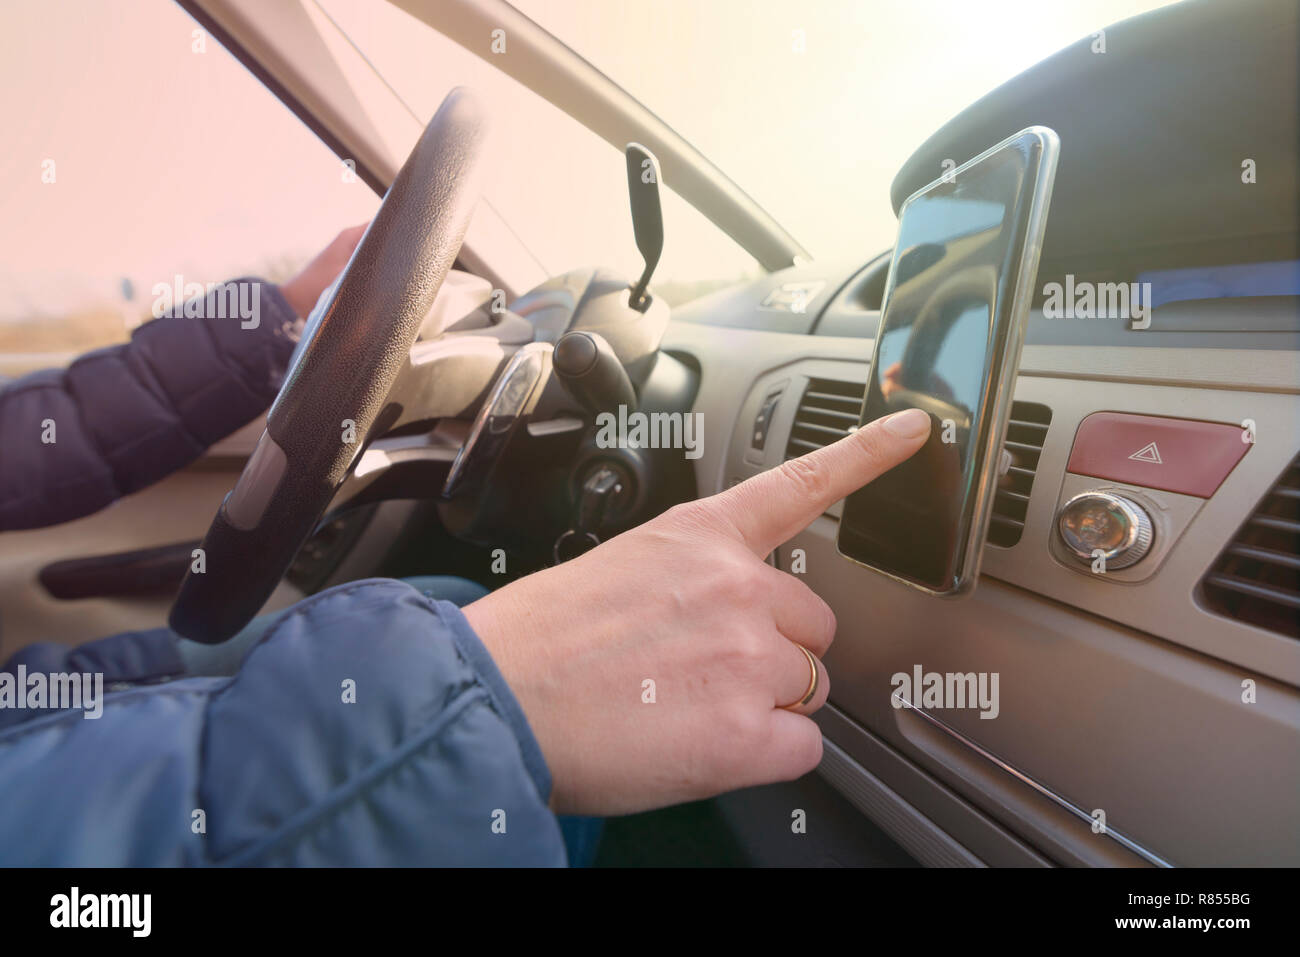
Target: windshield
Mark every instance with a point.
(813, 107)
(560, 188)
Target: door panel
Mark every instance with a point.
(177, 509)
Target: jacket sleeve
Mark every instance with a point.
(119, 419)
(368, 727)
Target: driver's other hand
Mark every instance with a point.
(654, 668)
(304, 289)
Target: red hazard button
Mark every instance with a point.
(1177, 455)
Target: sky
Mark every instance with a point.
(812, 106)
(170, 160)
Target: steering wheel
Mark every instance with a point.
(335, 396)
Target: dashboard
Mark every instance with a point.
(1148, 715)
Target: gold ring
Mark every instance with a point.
(812, 685)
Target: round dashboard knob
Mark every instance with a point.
(1117, 526)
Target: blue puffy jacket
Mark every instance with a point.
(368, 725)
(126, 416)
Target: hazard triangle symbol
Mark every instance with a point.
(1148, 453)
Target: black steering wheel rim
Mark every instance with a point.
(338, 387)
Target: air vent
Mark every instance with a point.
(1025, 435)
(1257, 578)
(830, 409)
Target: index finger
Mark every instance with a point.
(772, 508)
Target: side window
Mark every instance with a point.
(139, 154)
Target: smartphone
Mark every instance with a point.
(956, 302)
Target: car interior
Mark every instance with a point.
(1148, 716)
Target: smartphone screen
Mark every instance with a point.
(955, 307)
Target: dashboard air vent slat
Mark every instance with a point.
(1256, 579)
(1026, 433)
(830, 409)
(1265, 555)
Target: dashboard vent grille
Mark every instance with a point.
(1257, 578)
(1026, 433)
(830, 409)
